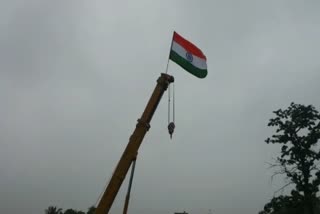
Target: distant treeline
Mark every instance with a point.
(56, 210)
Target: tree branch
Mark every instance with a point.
(282, 188)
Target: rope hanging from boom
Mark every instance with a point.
(171, 125)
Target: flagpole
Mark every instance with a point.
(169, 53)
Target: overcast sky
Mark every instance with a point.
(76, 75)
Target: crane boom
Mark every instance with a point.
(135, 141)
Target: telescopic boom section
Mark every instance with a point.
(132, 148)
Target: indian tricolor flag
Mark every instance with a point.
(188, 56)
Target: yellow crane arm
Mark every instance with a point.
(135, 141)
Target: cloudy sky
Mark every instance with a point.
(76, 75)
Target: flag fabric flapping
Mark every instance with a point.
(188, 56)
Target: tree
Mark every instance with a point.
(53, 210)
(72, 211)
(91, 210)
(298, 133)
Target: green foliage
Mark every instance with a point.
(91, 210)
(281, 203)
(298, 133)
(55, 210)
(71, 211)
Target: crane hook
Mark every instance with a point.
(171, 127)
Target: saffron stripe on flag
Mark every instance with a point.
(194, 50)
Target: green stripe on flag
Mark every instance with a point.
(200, 73)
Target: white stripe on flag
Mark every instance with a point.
(197, 61)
